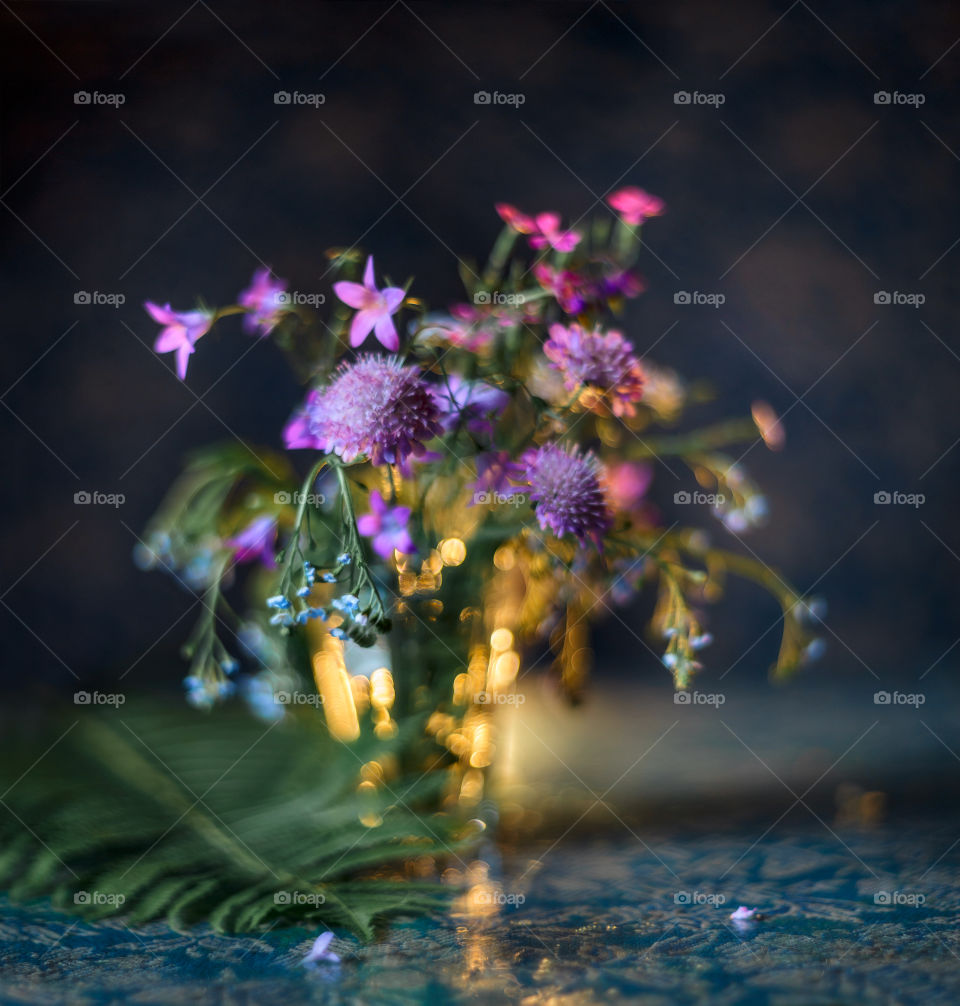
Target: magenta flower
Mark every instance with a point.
(375, 309)
(566, 491)
(566, 286)
(264, 298)
(320, 952)
(387, 526)
(256, 541)
(373, 407)
(181, 332)
(626, 484)
(634, 205)
(472, 401)
(542, 230)
(296, 433)
(601, 362)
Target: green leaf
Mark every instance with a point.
(167, 814)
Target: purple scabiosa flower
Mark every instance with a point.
(472, 401)
(566, 490)
(634, 205)
(374, 406)
(602, 362)
(264, 298)
(375, 309)
(256, 541)
(387, 527)
(181, 331)
(320, 952)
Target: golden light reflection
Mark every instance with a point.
(335, 687)
(452, 551)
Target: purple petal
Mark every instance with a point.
(393, 296)
(385, 331)
(361, 326)
(352, 294)
(183, 358)
(369, 280)
(170, 338)
(164, 315)
(368, 525)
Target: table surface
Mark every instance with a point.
(598, 919)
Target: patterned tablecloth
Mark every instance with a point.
(852, 916)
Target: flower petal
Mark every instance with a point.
(164, 315)
(183, 358)
(393, 297)
(361, 326)
(369, 281)
(352, 294)
(386, 333)
(171, 338)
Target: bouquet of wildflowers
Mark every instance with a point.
(473, 483)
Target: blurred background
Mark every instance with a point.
(809, 161)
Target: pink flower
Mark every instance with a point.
(635, 205)
(542, 230)
(566, 491)
(566, 286)
(183, 329)
(601, 362)
(387, 526)
(375, 407)
(374, 309)
(744, 914)
(256, 541)
(320, 952)
(626, 483)
(264, 298)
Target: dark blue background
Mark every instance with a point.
(103, 198)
